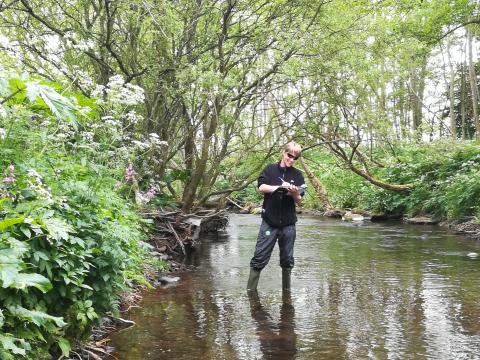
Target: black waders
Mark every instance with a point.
(286, 278)
(253, 280)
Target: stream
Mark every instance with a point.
(360, 290)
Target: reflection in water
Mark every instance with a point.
(359, 291)
(277, 339)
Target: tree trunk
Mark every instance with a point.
(473, 85)
(463, 103)
(379, 183)
(417, 83)
(453, 122)
(317, 185)
(340, 152)
(403, 121)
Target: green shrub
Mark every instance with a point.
(445, 175)
(81, 244)
(69, 244)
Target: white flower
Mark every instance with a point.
(153, 135)
(88, 136)
(3, 133)
(33, 173)
(132, 117)
(98, 91)
(140, 144)
(155, 140)
(113, 123)
(3, 112)
(116, 82)
(4, 41)
(61, 136)
(69, 35)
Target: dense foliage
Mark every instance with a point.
(69, 242)
(446, 181)
(219, 85)
(445, 176)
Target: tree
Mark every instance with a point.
(472, 77)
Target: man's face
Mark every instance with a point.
(289, 157)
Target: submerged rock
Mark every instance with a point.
(165, 280)
(422, 220)
(377, 217)
(335, 213)
(350, 216)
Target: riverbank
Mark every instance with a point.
(172, 237)
(468, 228)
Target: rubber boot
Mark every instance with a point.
(286, 279)
(253, 280)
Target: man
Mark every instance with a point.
(282, 186)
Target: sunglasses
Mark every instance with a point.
(293, 157)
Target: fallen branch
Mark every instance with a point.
(92, 354)
(101, 351)
(237, 205)
(177, 237)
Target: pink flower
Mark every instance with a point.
(150, 194)
(129, 173)
(8, 179)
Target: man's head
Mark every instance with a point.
(291, 152)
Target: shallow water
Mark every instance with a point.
(359, 291)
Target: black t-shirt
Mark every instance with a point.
(279, 208)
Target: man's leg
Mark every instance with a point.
(286, 242)
(266, 239)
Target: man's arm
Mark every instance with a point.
(267, 189)
(294, 192)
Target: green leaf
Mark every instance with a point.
(39, 318)
(38, 281)
(11, 256)
(37, 255)
(61, 107)
(58, 228)
(8, 222)
(16, 84)
(91, 314)
(8, 343)
(65, 346)
(8, 274)
(85, 286)
(26, 231)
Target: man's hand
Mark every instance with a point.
(292, 190)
